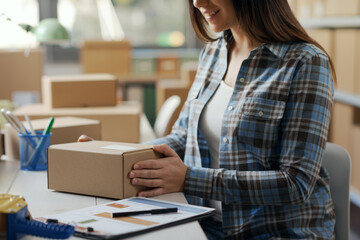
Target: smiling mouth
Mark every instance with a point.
(211, 15)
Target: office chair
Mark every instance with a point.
(162, 121)
(337, 162)
(166, 111)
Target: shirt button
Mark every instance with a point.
(230, 108)
(261, 113)
(225, 140)
(242, 80)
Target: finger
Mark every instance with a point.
(151, 193)
(165, 149)
(147, 182)
(148, 164)
(145, 174)
(84, 138)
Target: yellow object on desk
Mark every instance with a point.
(15, 221)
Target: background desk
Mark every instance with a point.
(41, 201)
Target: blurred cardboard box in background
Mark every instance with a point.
(326, 38)
(65, 130)
(112, 57)
(168, 66)
(83, 90)
(20, 72)
(342, 8)
(118, 123)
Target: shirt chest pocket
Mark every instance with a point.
(259, 121)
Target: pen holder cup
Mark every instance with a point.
(33, 151)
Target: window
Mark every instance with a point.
(153, 22)
(146, 23)
(19, 11)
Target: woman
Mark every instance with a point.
(251, 136)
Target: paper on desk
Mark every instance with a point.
(99, 217)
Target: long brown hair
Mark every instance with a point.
(265, 21)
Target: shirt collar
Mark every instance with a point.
(278, 49)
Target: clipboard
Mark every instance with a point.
(98, 218)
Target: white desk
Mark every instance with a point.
(41, 201)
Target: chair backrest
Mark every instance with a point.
(166, 111)
(337, 162)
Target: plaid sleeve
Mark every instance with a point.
(301, 141)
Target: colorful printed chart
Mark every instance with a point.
(97, 221)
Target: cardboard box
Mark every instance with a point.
(119, 123)
(143, 65)
(342, 8)
(83, 90)
(346, 60)
(325, 37)
(96, 168)
(65, 130)
(304, 9)
(318, 8)
(168, 66)
(341, 125)
(106, 57)
(355, 159)
(20, 73)
(331, 8)
(166, 89)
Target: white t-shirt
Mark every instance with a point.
(210, 126)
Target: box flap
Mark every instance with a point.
(61, 122)
(81, 77)
(41, 110)
(103, 147)
(106, 44)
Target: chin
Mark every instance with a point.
(217, 30)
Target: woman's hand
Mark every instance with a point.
(164, 175)
(84, 138)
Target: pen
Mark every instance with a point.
(14, 123)
(17, 122)
(152, 211)
(9, 120)
(30, 125)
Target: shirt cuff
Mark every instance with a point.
(198, 182)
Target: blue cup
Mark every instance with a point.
(33, 151)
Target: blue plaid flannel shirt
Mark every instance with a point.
(274, 132)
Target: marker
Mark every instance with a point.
(152, 211)
(33, 159)
(47, 130)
